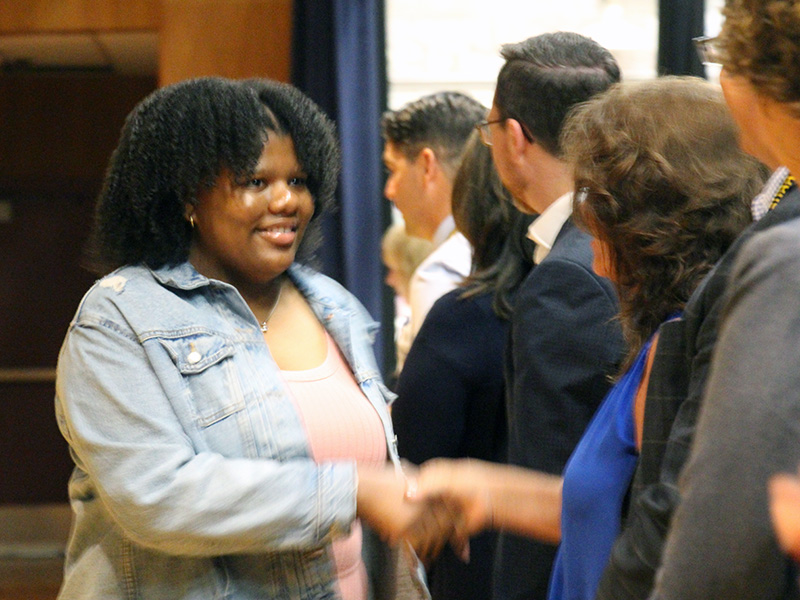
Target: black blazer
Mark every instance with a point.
(565, 343)
(674, 394)
(450, 403)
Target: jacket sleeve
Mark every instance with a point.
(721, 543)
(566, 343)
(137, 459)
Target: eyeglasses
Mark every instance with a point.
(486, 133)
(708, 50)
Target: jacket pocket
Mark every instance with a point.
(206, 363)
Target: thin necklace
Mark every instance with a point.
(264, 327)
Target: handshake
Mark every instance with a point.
(448, 501)
(443, 501)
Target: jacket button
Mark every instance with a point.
(194, 356)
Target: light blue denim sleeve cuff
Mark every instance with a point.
(338, 484)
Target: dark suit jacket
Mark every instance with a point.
(675, 391)
(565, 342)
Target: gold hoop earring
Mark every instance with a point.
(191, 221)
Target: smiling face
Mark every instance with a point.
(246, 233)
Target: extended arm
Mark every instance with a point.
(501, 497)
(142, 464)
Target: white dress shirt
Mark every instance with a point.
(441, 271)
(545, 228)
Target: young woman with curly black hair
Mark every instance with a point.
(221, 401)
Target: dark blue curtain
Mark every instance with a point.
(338, 59)
(678, 22)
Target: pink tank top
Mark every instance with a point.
(341, 425)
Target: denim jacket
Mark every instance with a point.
(194, 477)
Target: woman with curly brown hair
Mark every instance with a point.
(721, 544)
(757, 48)
(664, 189)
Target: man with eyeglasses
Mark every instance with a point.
(564, 341)
(423, 143)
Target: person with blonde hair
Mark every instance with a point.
(401, 255)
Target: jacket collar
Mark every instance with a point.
(184, 276)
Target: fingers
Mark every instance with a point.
(784, 491)
(464, 484)
(427, 508)
(459, 538)
(440, 521)
(438, 475)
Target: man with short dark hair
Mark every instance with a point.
(424, 141)
(565, 342)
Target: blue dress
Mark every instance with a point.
(596, 481)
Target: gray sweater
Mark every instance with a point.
(721, 544)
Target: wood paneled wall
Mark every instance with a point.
(239, 38)
(47, 16)
(56, 134)
(231, 38)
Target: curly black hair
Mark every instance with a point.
(663, 182)
(178, 140)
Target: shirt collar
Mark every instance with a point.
(545, 228)
(444, 230)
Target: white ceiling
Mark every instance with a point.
(131, 53)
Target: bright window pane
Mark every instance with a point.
(454, 44)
